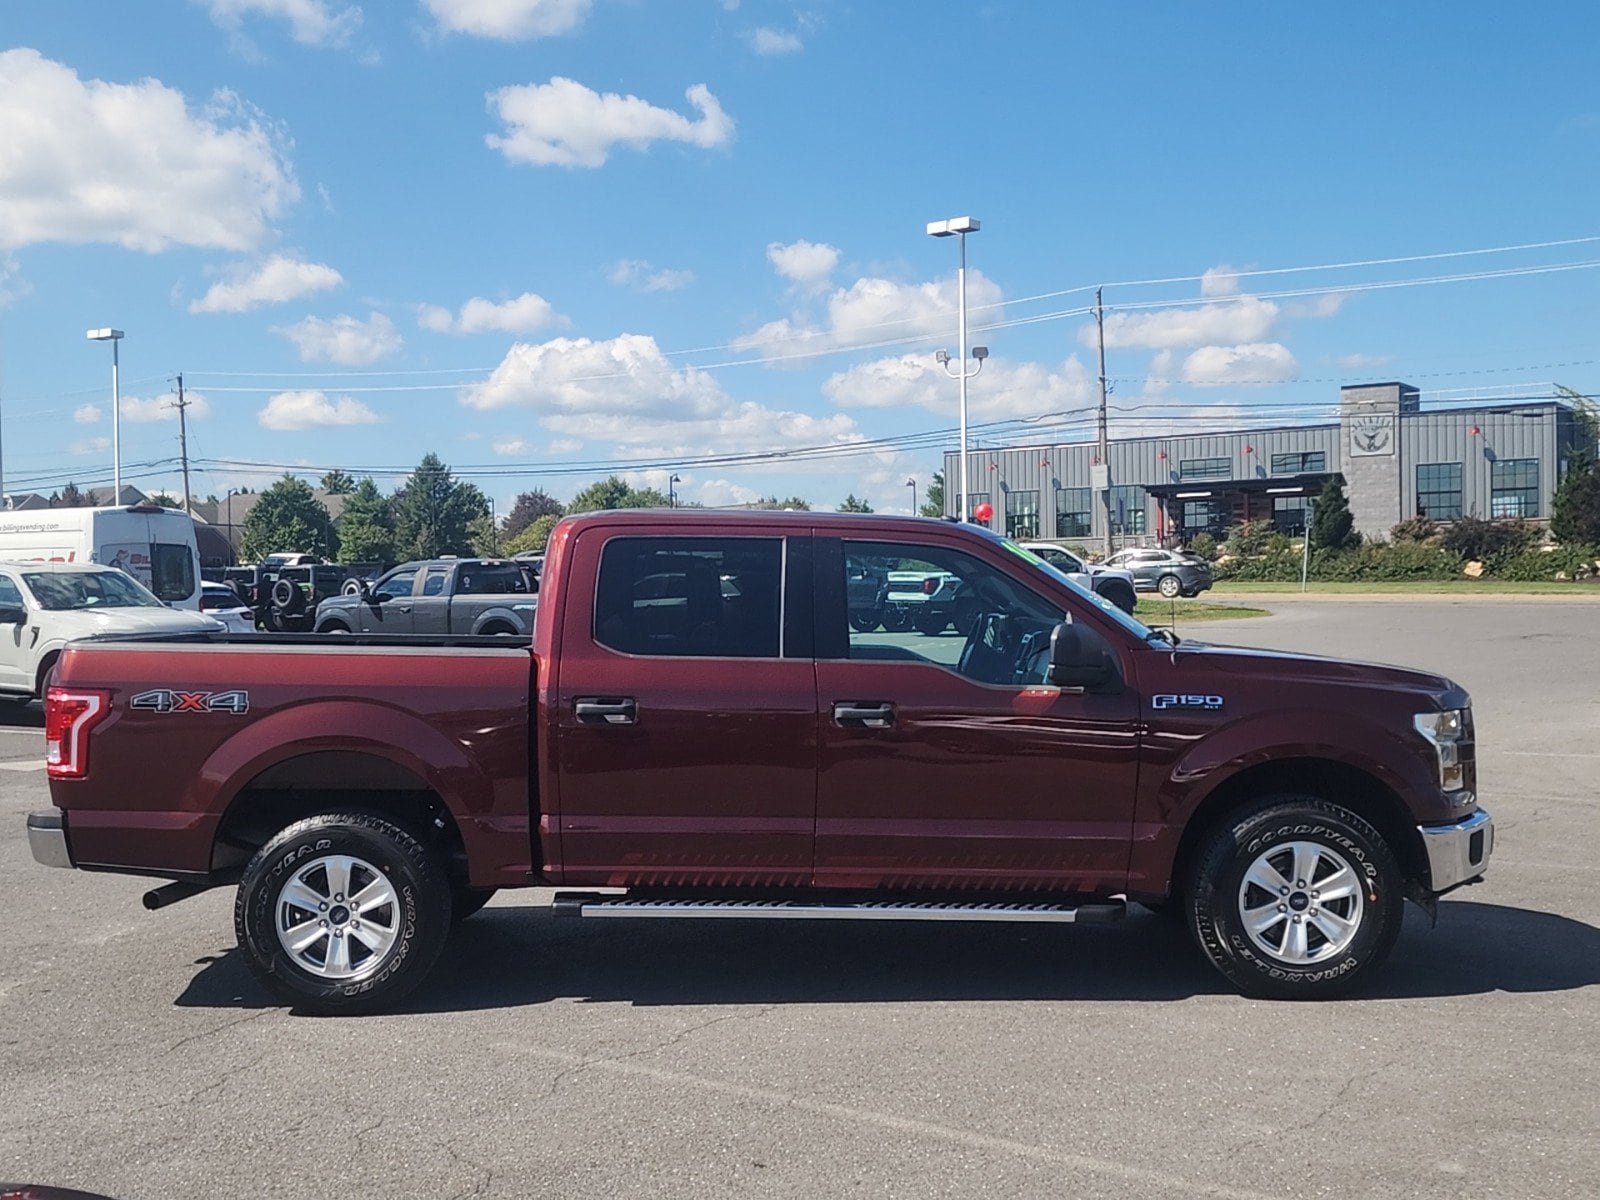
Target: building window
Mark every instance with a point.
(973, 500)
(1514, 487)
(1203, 516)
(1022, 514)
(1073, 508)
(1128, 509)
(1290, 513)
(1309, 463)
(1205, 468)
(1439, 491)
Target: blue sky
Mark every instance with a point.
(552, 239)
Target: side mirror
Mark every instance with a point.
(1080, 657)
(12, 614)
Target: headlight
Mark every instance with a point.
(1447, 731)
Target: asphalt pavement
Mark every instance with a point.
(559, 1058)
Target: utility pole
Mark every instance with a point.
(183, 443)
(1105, 448)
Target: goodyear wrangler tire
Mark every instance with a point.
(343, 912)
(1298, 898)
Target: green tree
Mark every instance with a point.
(1575, 512)
(433, 512)
(933, 501)
(338, 483)
(166, 500)
(1332, 525)
(71, 497)
(789, 504)
(534, 538)
(527, 508)
(288, 517)
(851, 504)
(486, 539)
(366, 526)
(616, 492)
(1587, 414)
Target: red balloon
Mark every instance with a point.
(984, 513)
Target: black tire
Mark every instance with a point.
(1216, 897)
(1169, 586)
(966, 616)
(350, 587)
(932, 624)
(464, 901)
(1121, 595)
(333, 627)
(896, 620)
(865, 620)
(419, 914)
(497, 629)
(287, 597)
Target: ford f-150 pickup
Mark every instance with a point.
(699, 722)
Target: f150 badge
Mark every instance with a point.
(1170, 701)
(166, 700)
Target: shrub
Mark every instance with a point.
(1205, 546)
(1332, 524)
(1377, 562)
(1417, 529)
(1248, 538)
(1472, 538)
(1539, 566)
(1575, 512)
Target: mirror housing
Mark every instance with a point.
(1080, 657)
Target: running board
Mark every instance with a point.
(584, 904)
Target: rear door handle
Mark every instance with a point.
(870, 714)
(595, 710)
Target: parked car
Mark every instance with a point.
(285, 597)
(1169, 572)
(442, 595)
(1114, 583)
(668, 748)
(221, 603)
(43, 606)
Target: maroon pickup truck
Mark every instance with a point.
(698, 722)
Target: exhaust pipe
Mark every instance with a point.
(171, 893)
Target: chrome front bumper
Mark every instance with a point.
(1458, 852)
(47, 838)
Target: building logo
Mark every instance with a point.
(1371, 435)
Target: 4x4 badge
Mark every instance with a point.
(166, 700)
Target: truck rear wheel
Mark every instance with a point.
(343, 912)
(1298, 898)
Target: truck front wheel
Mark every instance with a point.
(1298, 898)
(343, 912)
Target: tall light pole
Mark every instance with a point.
(959, 227)
(912, 484)
(672, 491)
(113, 336)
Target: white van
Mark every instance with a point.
(153, 544)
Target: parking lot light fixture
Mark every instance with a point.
(958, 228)
(113, 336)
(672, 491)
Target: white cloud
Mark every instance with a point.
(771, 42)
(508, 20)
(12, 286)
(1257, 363)
(563, 446)
(625, 392)
(1326, 305)
(805, 264)
(292, 411)
(874, 310)
(91, 446)
(510, 445)
(562, 123)
(344, 339)
(1245, 319)
(1003, 390)
(87, 414)
(88, 161)
(1360, 362)
(149, 409)
(311, 22)
(524, 314)
(639, 275)
(275, 281)
(1221, 280)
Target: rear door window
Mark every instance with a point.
(703, 597)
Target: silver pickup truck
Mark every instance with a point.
(442, 595)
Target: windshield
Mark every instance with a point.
(1137, 628)
(87, 589)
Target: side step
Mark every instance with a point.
(588, 904)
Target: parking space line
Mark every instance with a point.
(29, 764)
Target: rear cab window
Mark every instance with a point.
(698, 597)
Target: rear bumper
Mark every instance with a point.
(1459, 851)
(47, 838)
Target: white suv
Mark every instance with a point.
(1115, 585)
(43, 606)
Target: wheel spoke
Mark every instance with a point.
(1341, 884)
(300, 894)
(1306, 857)
(374, 937)
(338, 961)
(338, 868)
(1294, 941)
(1333, 927)
(374, 895)
(1259, 920)
(1265, 876)
(303, 936)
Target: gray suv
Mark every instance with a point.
(441, 595)
(1170, 572)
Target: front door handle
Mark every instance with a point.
(870, 714)
(595, 710)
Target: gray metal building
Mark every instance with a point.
(1397, 461)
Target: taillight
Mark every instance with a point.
(930, 586)
(68, 716)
